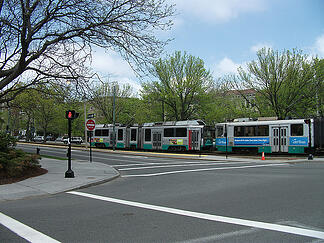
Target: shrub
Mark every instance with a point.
(6, 141)
(15, 162)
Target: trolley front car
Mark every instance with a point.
(287, 136)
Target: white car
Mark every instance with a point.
(77, 140)
(39, 139)
(59, 139)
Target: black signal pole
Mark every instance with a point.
(70, 115)
(69, 173)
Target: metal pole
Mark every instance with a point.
(114, 117)
(226, 140)
(69, 173)
(85, 128)
(310, 155)
(90, 147)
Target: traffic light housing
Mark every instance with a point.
(71, 114)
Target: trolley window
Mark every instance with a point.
(209, 132)
(181, 132)
(120, 134)
(133, 134)
(168, 132)
(239, 131)
(98, 132)
(219, 131)
(105, 133)
(147, 135)
(263, 130)
(249, 131)
(296, 130)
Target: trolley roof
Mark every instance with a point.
(176, 123)
(256, 123)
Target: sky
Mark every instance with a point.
(226, 34)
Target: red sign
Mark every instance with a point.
(90, 124)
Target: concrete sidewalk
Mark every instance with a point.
(85, 173)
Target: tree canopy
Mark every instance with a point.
(181, 85)
(283, 81)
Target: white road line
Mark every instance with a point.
(179, 165)
(223, 236)
(183, 163)
(197, 170)
(133, 157)
(25, 231)
(139, 158)
(216, 218)
(125, 159)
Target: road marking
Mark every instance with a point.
(223, 236)
(197, 170)
(25, 231)
(179, 165)
(133, 157)
(215, 218)
(139, 159)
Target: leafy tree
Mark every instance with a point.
(45, 113)
(26, 102)
(182, 83)
(101, 97)
(222, 103)
(136, 110)
(41, 109)
(284, 81)
(46, 41)
(319, 80)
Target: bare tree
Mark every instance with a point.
(50, 40)
(101, 97)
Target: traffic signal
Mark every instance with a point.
(71, 114)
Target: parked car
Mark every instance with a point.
(50, 138)
(65, 140)
(77, 140)
(39, 139)
(59, 139)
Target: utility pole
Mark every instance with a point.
(310, 154)
(226, 138)
(85, 127)
(114, 117)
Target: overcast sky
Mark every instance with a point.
(227, 33)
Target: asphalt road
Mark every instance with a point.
(181, 200)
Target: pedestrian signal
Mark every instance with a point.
(71, 114)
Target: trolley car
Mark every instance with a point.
(287, 136)
(191, 135)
